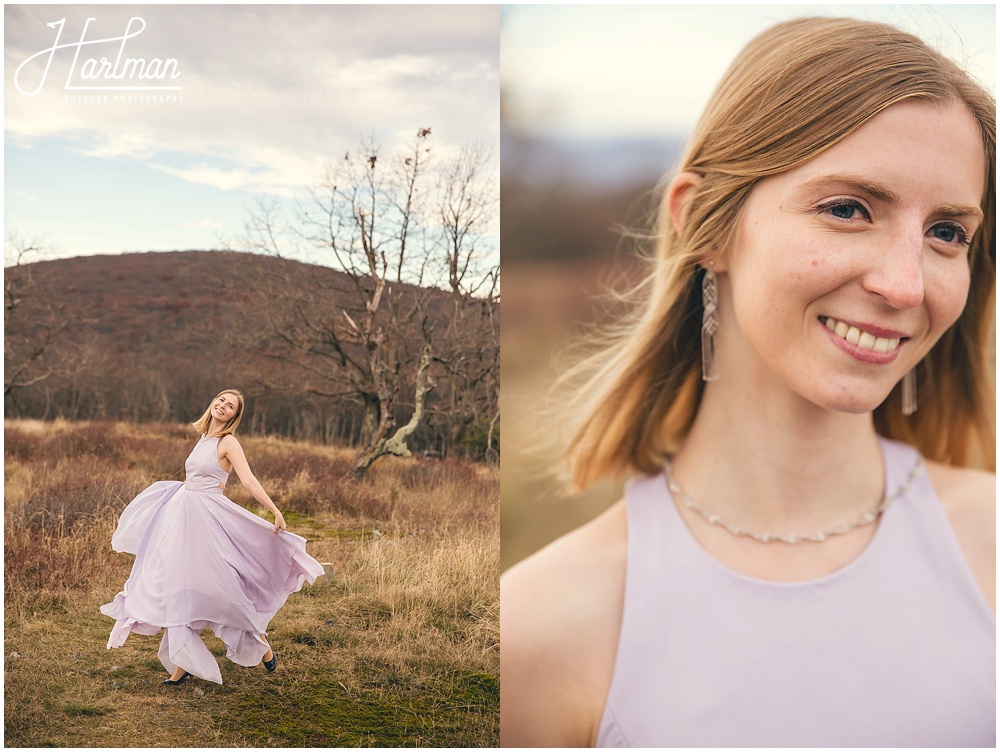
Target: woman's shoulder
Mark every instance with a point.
(965, 493)
(229, 441)
(969, 499)
(560, 617)
(591, 556)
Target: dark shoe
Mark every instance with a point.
(273, 663)
(172, 682)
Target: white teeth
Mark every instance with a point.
(862, 339)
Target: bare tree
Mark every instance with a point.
(32, 322)
(383, 334)
(473, 280)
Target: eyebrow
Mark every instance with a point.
(949, 210)
(885, 195)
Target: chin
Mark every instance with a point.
(852, 405)
(856, 409)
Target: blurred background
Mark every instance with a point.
(596, 105)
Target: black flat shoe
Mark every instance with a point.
(172, 682)
(273, 663)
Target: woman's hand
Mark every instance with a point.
(279, 522)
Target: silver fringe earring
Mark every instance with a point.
(709, 324)
(910, 392)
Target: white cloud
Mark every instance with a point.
(206, 224)
(233, 179)
(269, 94)
(289, 84)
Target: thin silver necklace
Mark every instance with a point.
(766, 537)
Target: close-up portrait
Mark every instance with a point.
(748, 363)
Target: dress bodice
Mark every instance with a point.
(202, 468)
(895, 649)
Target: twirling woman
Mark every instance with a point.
(805, 557)
(202, 561)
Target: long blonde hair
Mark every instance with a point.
(205, 421)
(795, 91)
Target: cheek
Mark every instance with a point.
(946, 293)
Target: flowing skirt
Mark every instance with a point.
(202, 561)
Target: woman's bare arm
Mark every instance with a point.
(560, 613)
(229, 448)
(969, 497)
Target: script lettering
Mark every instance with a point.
(123, 69)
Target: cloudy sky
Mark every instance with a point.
(269, 94)
(647, 71)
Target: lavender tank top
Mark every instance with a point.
(897, 649)
(202, 471)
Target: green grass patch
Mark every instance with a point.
(387, 713)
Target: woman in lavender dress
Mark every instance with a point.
(803, 558)
(203, 561)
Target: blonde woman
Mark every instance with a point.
(203, 561)
(803, 556)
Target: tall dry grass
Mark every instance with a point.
(397, 646)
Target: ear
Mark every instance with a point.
(680, 193)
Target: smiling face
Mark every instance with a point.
(846, 270)
(225, 407)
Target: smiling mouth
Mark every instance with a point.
(861, 338)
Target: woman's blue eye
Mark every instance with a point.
(846, 210)
(843, 211)
(950, 233)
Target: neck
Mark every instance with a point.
(775, 462)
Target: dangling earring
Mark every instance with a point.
(709, 324)
(910, 392)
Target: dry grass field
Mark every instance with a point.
(397, 646)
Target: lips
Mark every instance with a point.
(861, 338)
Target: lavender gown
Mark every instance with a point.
(202, 561)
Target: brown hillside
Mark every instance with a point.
(154, 336)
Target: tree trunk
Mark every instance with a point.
(396, 443)
(372, 418)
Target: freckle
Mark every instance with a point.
(815, 262)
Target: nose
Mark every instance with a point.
(896, 271)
